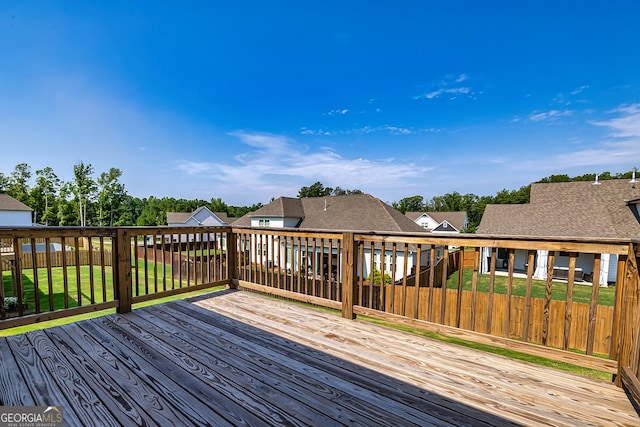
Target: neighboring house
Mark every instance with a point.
(359, 212)
(14, 213)
(201, 217)
(604, 209)
(440, 222)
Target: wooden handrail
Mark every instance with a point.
(629, 341)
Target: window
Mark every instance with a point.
(263, 223)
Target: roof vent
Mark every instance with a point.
(596, 182)
(633, 176)
(325, 205)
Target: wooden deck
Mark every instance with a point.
(237, 358)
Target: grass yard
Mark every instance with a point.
(581, 293)
(101, 290)
(144, 281)
(202, 253)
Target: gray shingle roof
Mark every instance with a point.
(183, 217)
(224, 217)
(414, 215)
(8, 203)
(457, 219)
(568, 209)
(358, 212)
(178, 217)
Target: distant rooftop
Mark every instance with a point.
(357, 212)
(569, 209)
(8, 203)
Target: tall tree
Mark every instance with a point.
(316, 189)
(44, 194)
(67, 207)
(344, 192)
(83, 188)
(409, 204)
(129, 211)
(111, 193)
(4, 183)
(217, 205)
(19, 182)
(154, 212)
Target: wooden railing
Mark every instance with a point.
(500, 291)
(104, 268)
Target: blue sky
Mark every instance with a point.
(251, 100)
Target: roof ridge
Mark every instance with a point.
(390, 211)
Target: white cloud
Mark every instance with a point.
(340, 112)
(620, 147)
(450, 86)
(453, 90)
(579, 90)
(461, 78)
(283, 168)
(560, 99)
(264, 141)
(317, 132)
(551, 115)
(394, 130)
(625, 126)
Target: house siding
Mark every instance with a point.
(15, 219)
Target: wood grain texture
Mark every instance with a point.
(478, 386)
(238, 358)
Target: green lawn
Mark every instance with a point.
(201, 253)
(581, 293)
(57, 280)
(142, 282)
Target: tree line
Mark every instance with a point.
(87, 200)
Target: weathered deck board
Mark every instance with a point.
(352, 379)
(236, 358)
(421, 362)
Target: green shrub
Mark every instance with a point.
(376, 277)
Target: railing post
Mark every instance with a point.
(122, 247)
(232, 259)
(349, 265)
(629, 347)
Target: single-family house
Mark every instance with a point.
(440, 222)
(600, 209)
(14, 213)
(201, 217)
(358, 212)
